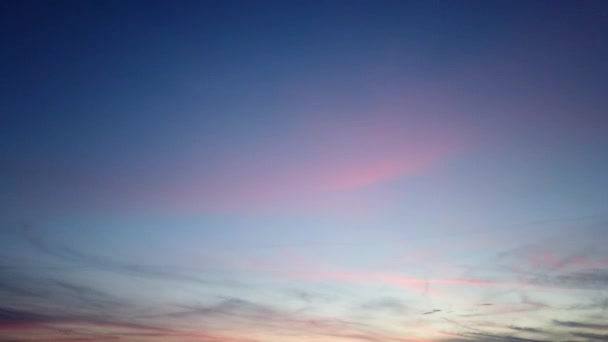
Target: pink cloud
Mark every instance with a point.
(557, 259)
(81, 329)
(322, 154)
(293, 266)
(310, 166)
(315, 163)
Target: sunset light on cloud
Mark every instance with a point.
(304, 171)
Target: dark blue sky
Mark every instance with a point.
(289, 171)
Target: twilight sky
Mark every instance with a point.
(304, 171)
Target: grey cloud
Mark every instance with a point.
(474, 334)
(80, 258)
(479, 337)
(391, 305)
(231, 306)
(311, 297)
(21, 287)
(572, 324)
(528, 329)
(592, 277)
(596, 303)
(304, 296)
(591, 336)
(114, 328)
(8, 315)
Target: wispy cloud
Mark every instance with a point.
(591, 336)
(528, 329)
(21, 285)
(80, 258)
(479, 337)
(573, 324)
(79, 327)
(390, 305)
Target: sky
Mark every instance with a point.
(303, 171)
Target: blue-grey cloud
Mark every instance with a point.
(386, 304)
(229, 307)
(479, 337)
(594, 303)
(80, 258)
(528, 329)
(585, 325)
(591, 336)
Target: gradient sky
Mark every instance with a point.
(304, 171)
